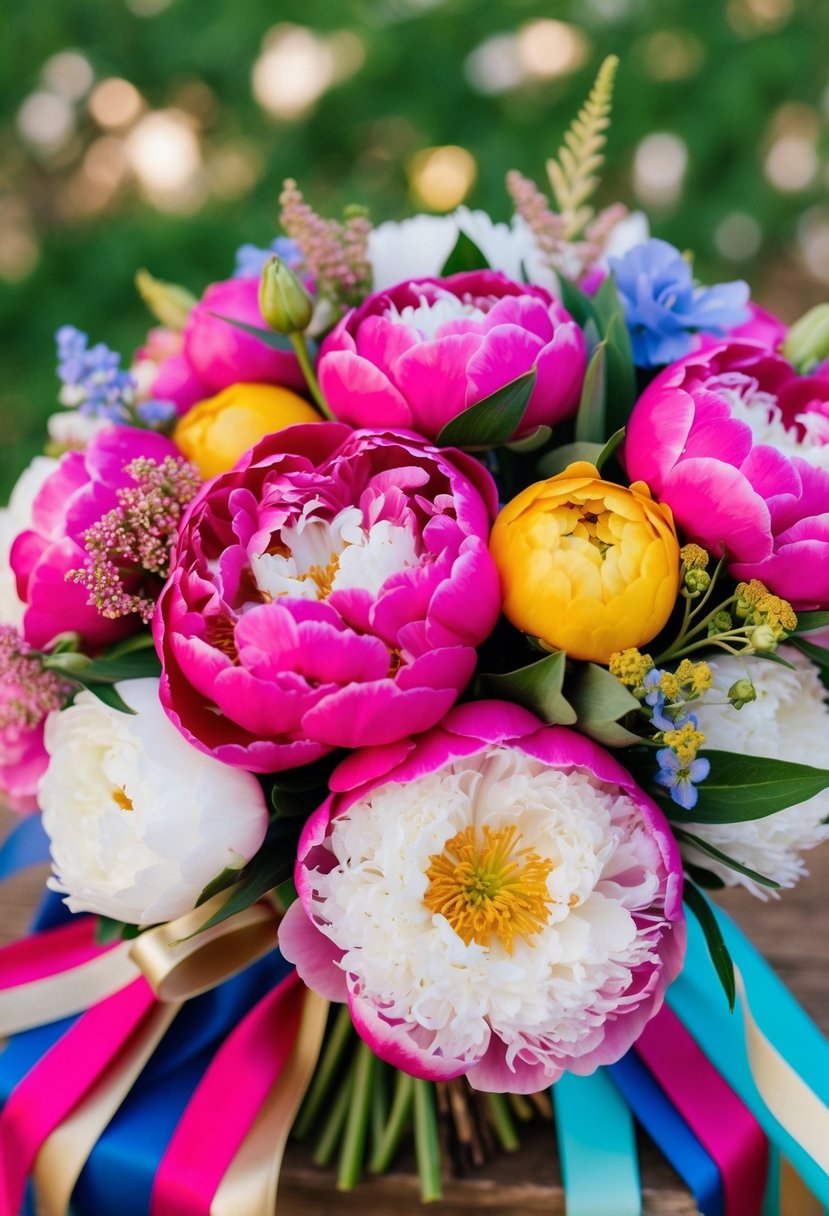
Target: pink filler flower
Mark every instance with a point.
(737, 444)
(327, 592)
(419, 354)
(74, 497)
(496, 898)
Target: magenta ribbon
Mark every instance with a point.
(720, 1120)
(50, 952)
(226, 1103)
(60, 1079)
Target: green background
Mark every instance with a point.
(729, 79)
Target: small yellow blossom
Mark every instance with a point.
(685, 741)
(670, 685)
(630, 666)
(758, 606)
(696, 676)
(694, 557)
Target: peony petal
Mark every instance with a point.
(313, 954)
(359, 393)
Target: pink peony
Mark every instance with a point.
(737, 444)
(419, 354)
(215, 354)
(327, 592)
(79, 491)
(496, 898)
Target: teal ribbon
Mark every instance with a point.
(698, 1000)
(597, 1147)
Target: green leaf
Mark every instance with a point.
(577, 302)
(492, 421)
(538, 688)
(138, 665)
(717, 948)
(532, 442)
(620, 371)
(710, 851)
(111, 697)
(274, 340)
(806, 621)
(108, 930)
(464, 256)
(291, 803)
(228, 876)
(704, 878)
(272, 865)
(590, 417)
(600, 701)
(138, 641)
(610, 447)
(818, 654)
(557, 461)
(740, 788)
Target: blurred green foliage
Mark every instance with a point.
(727, 78)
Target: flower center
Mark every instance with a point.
(489, 888)
(584, 524)
(122, 799)
(323, 576)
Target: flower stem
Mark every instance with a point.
(521, 1107)
(400, 1107)
(301, 349)
(502, 1123)
(338, 1039)
(332, 1130)
(356, 1128)
(427, 1146)
(379, 1111)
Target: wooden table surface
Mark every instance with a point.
(792, 932)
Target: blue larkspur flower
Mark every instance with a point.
(156, 414)
(655, 698)
(663, 306)
(92, 378)
(250, 258)
(680, 779)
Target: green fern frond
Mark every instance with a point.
(574, 172)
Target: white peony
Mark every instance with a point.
(72, 429)
(788, 721)
(417, 248)
(139, 820)
(14, 519)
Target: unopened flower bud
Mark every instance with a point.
(807, 342)
(170, 304)
(720, 623)
(764, 637)
(742, 692)
(696, 581)
(284, 302)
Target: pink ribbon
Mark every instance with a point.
(50, 952)
(226, 1103)
(720, 1120)
(49, 1092)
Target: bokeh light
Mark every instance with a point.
(115, 103)
(659, 166)
(68, 73)
(296, 67)
(441, 178)
(164, 153)
(45, 121)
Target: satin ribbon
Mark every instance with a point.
(722, 1123)
(670, 1133)
(783, 1025)
(237, 1083)
(46, 1095)
(26, 845)
(597, 1147)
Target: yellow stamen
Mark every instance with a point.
(122, 799)
(323, 576)
(492, 888)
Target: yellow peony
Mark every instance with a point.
(587, 566)
(216, 432)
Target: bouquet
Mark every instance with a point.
(427, 618)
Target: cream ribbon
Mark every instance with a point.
(794, 1105)
(251, 1182)
(69, 992)
(63, 1155)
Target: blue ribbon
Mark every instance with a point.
(698, 1000)
(26, 845)
(671, 1134)
(597, 1147)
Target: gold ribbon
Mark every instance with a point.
(178, 962)
(251, 1182)
(63, 1155)
(794, 1105)
(795, 1197)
